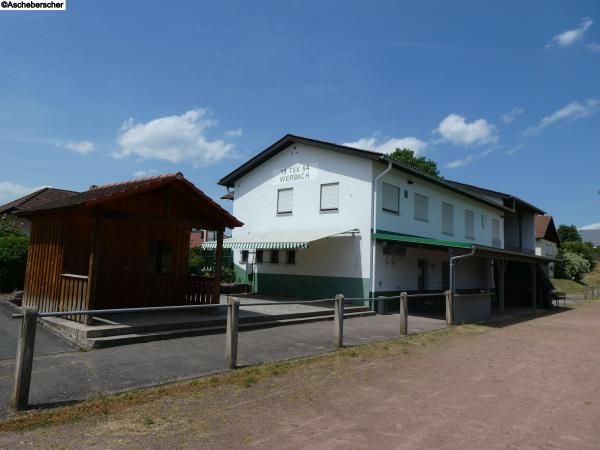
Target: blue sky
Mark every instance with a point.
(505, 95)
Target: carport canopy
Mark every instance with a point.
(281, 239)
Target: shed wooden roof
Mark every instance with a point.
(100, 194)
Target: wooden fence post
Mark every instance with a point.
(404, 313)
(231, 337)
(449, 308)
(338, 320)
(24, 359)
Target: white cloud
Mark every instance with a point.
(572, 111)
(512, 115)
(83, 147)
(10, 191)
(570, 37)
(461, 162)
(592, 226)
(594, 46)
(144, 173)
(172, 138)
(388, 145)
(514, 149)
(456, 129)
(234, 133)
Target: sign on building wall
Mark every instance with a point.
(296, 173)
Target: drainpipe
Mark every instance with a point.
(453, 263)
(373, 241)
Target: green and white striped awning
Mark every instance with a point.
(280, 239)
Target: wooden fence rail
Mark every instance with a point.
(199, 290)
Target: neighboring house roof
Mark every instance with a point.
(196, 239)
(545, 229)
(506, 199)
(36, 198)
(290, 139)
(108, 192)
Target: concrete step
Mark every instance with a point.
(136, 338)
(100, 331)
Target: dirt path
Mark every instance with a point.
(535, 384)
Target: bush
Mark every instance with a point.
(13, 260)
(584, 249)
(571, 266)
(195, 261)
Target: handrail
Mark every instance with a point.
(474, 294)
(72, 275)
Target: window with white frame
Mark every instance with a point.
(390, 198)
(330, 194)
(274, 257)
(244, 256)
(285, 200)
(421, 207)
(469, 224)
(496, 233)
(447, 218)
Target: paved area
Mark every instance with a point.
(45, 342)
(71, 376)
(532, 384)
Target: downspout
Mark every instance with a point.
(373, 241)
(453, 263)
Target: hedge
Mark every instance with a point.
(13, 259)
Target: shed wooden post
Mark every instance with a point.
(24, 359)
(501, 269)
(338, 320)
(403, 313)
(92, 270)
(231, 337)
(216, 293)
(449, 308)
(533, 268)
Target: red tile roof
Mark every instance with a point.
(39, 197)
(545, 229)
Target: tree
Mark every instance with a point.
(568, 233)
(8, 228)
(407, 157)
(571, 265)
(584, 249)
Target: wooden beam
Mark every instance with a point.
(501, 264)
(218, 263)
(533, 268)
(144, 218)
(92, 269)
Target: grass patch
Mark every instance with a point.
(109, 405)
(568, 286)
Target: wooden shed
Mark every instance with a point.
(121, 245)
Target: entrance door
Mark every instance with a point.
(422, 275)
(445, 276)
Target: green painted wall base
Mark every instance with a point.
(309, 286)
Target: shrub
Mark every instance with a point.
(13, 260)
(195, 261)
(571, 266)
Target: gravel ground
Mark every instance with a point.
(532, 384)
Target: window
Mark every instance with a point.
(496, 233)
(549, 251)
(330, 196)
(259, 256)
(421, 207)
(274, 257)
(447, 218)
(469, 224)
(390, 198)
(244, 256)
(291, 257)
(285, 199)
(160, 257)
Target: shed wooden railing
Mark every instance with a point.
(73, 294)
(199, 290)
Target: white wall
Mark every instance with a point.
(405, 222)
(545, 248)
(255, 204)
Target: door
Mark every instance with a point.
(422, 275)
(445, 276)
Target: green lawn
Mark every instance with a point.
(573, 287)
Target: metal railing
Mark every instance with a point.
(30, 315)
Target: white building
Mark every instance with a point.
(311, 229)
(546, 240)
